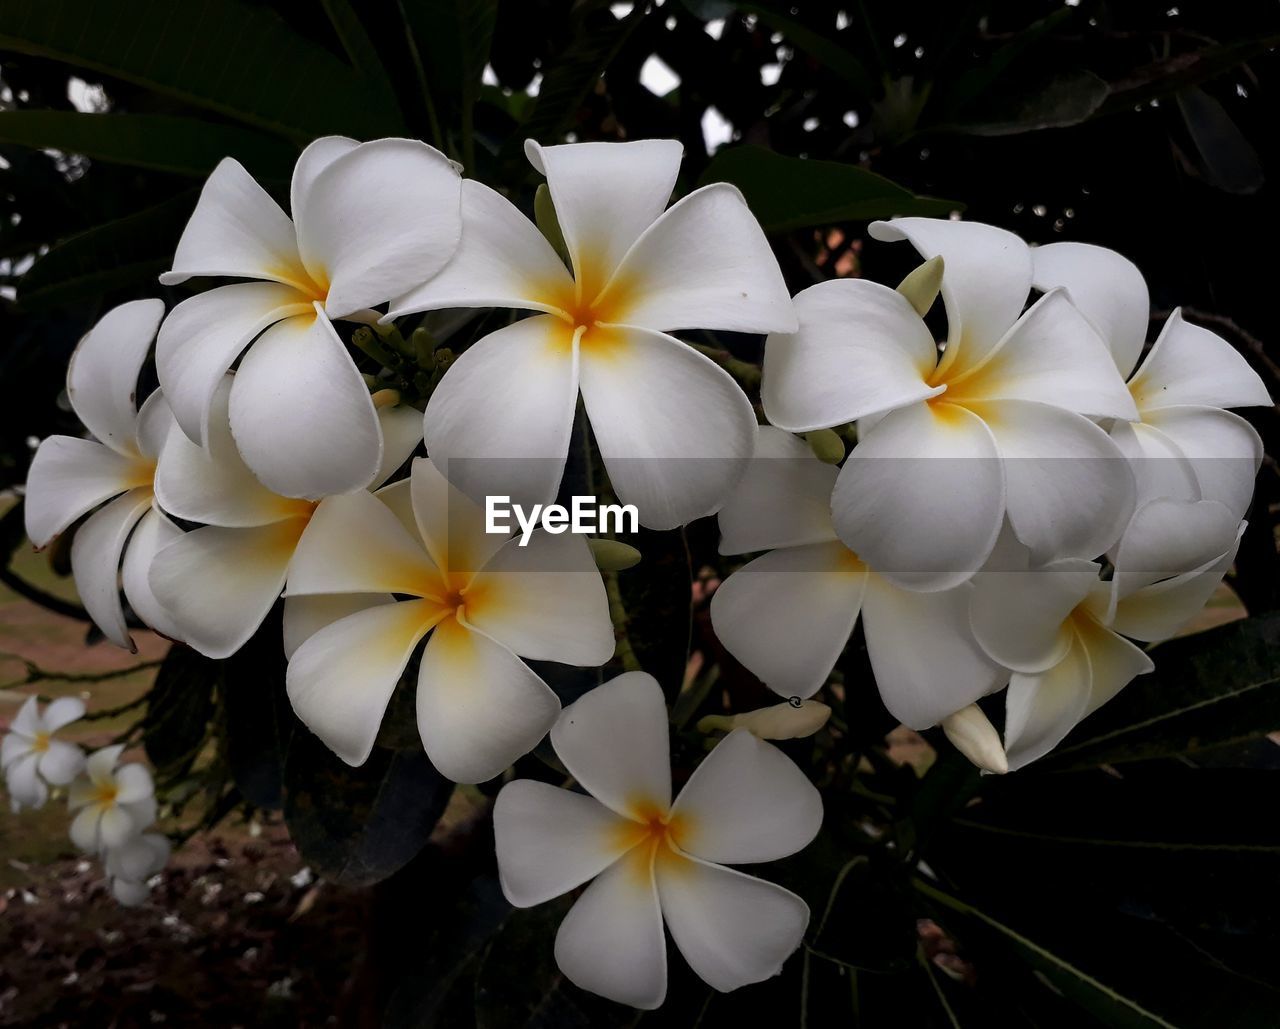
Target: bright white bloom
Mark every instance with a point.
(788, 615)
(998, 426)
(32, 760)
(1183, 444)
(655, 861)
(483, 599)
(370, 220)
(114, 803)
(132, 863)
(220, 581)
(1061, 629)
(673, 428)
(69, 476)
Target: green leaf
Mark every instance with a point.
(868, 922)
(453, 38)
(788, 193)
(179, 707)
(361, 52)
(1065, 99)
(1171, 74)
(258, 720)
(1227, 158)
(236, 58)
(822, 49)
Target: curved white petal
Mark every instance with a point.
(203, 336)
(129, 894)
(782, 500)
(500, 420)
(674, 429)
(139, 858)
(788, 614)
(316, 156)
(1020, 617)
(746, 802)
(1107, 288)
(544, 601)
(1113, 662)
(613, 740)
(732, 928)
(60, 712)
(102, 379)
(704, 264)
(340, 680)
(153, 531)
(1041, 709)
(100, 766)
(479, 706)
(1188, 364)
(301, 413)
(61, 763)
(133, 784)
(69, 477)
(304, 616)
(926, 662)
(22, 780)
(1223, 450)
(28, 721)
(401, 426)
(985, 278)
(155, 422)
(502, 261)
(1160, 468)
(1170, 537)
(95, 562)
(115, 826)
(237, 230)
(861, 350)
(377, 220)
(450, 524)
(84, 829)
(922, 496)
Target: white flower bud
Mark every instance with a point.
(921, 286)
(781, 722)
(972, 733)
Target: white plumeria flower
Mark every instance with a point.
(370, 220)
(69, 476)
(220, 581)
(32, 760)
(673, 427)
(998, 426)
(114, 803)
(132, 863)
(1061, 629)
(655, 861)
(1184, 444)
(483, 598)
(788, 614)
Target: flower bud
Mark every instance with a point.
(385, 398)
(613, 556)
(826, 444)
(921, 286)
(789, 721)
(971, 733)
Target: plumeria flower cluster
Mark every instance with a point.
(31, 758)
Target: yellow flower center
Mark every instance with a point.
(586, 307)
(40, 743)
(105, 793)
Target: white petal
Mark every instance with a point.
(611, 943)
(861, 349)
(788, 615)
(28, 721)
(340, 680)
(704, 264)
(238, 231)
(102, 379)
(95, 562)
(732, 928)
(115, 827)
(138, 858)
(61, 763)
(14, 746)
(1041, 709)
(606, 195)
(479, 706)
(1020, 618)
(84, 829)
(316, 156)
(1188, 364)
(450, 524)
(100, 765)
(985, 279)
(1107, 288)
(204, 335)
(502, 261)
(926, 662)
(1160, 468)
(401, 433)
(1113, 662)
(544, 601)
(69, 477)
(500, 420)
(1169, 537)
(746, 802)
(153, 531)
(134, 784)
(26, 788)
(922, 496)
(549, 841)
(673, 427)
(1224, 451)
(782, 500)
(155, 422)
(1052, 355)
(141, 814)
(613, 740)
(1070, 492)
(304, 616)
(301, 413)
(60, 712)
(218, 584)
(377, 220)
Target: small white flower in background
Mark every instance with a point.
(220, 581)
(482, 598)
(370, 221)
(1062, 629)
(69, 476)
(673, 427)
(652, 860)
(130, 864)
(113, 804)
(32, 760)
(1184, 444)
(788, 614)
(998, 426)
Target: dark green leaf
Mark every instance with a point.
(869, 918)
(1227, 159)
(1064, 99)
(1171, 74)
(259, 723)
(659, 606)
(178, 710)
(788, 193)
(453, 38)
(818, 46)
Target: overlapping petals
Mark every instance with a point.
(113, 802)
(31, 759)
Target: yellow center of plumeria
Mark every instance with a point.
(40, 742)
(105, 793)
(313, 287)
(653, 834)
(586, 307)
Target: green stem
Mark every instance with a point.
(744, 371)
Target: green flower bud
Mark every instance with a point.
(922, 285)
(613, 556)
(826, 444)
(544, 213)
